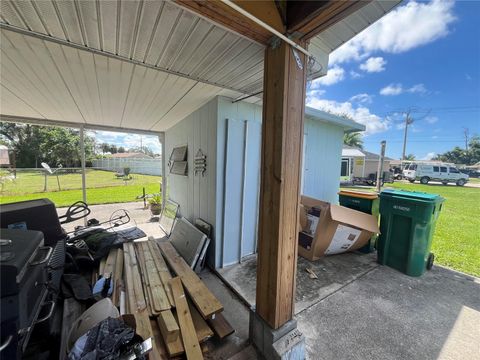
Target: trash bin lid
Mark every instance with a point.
(359, 194)
(413, 195)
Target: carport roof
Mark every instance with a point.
(134, 64)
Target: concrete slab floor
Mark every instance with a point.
(333, 273)
(388, 315)
(142, 217)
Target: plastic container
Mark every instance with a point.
(366, 202)
(407, 225)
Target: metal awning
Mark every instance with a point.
(352, 153)
(132, 64)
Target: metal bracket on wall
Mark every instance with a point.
(200, 163)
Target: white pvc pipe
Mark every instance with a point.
(266, 26)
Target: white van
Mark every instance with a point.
(445, 173)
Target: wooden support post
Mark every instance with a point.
(282, 138)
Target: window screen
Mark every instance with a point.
(443, 169)
(435, 169)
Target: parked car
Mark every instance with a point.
(445, 173)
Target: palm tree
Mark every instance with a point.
(353, 139)
(410, 157)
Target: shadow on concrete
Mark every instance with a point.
(357, 309)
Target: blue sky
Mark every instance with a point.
(423, 56)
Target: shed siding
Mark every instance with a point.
(323, 154)
(239, 126)
(196, 195)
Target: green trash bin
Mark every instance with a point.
(366, 202)
(407, 224)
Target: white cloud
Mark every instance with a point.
(397, 89)
(362, 98)
(392, 89)
(429, 156)
(431, 119)
(355, 75)
(406, 27)
(374, 64)
(334, 75)
(374, 123)
(417, 89)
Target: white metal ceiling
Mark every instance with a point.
(42, 79)
(134, 64)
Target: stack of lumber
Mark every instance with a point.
(178, 323)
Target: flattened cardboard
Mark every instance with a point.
(339, 229)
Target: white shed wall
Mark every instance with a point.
(322, 160)
(228, 196)
(196, 195)
(238, 179)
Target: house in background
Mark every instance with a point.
(358, 163)
(130, 155)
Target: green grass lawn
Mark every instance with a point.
(456, 242)
(102, 188)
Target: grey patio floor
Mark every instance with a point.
(357, 309)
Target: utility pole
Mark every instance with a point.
(466, 134)
(380, 165)
(408, 121)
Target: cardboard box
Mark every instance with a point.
(338, 229)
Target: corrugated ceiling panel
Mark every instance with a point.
(57, 82)
(88, 14)
(12, 104)
(158, 33)
(70, 21)
(109, 34)
(148, 24)
(48, 15)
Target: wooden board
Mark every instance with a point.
(118, 274)
(168, 326)
(162, 269)
(201, 327)
(187, 330)
(220, 326)
(206, 303)
(159, 299)
(145, 285)
(101, 266)
(159, 351)
(136, 298)
(109, 267)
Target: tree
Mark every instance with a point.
(468, 156)
(410, 157)
(353, 139)
(121, 150)
(144, 149)
(33, 144)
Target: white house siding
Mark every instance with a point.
(238, 179)
(196, 194)
(322, 160)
